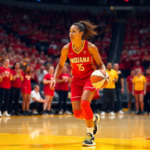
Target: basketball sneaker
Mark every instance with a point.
(112, 113)
(95, 128)
(5, 114)
(137, 113)
(50, 113)
(67, 113)
(120, 112)
(102, 113)
(60, 112)
(1, 114)
(44, 112)
(35, 112)
(89, 140)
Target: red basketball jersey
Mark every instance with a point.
(82, 62)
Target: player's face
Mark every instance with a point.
(75, 33)
(51, 70)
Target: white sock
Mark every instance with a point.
(90, 130)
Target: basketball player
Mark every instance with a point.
(84, 58)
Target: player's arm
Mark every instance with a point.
(94, 52)
(62, 60)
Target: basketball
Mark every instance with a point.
(99, 79)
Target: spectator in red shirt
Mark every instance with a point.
(48, 92)
(137, 66)
(146, 60)
(129, 89)
(147, 96)
(17, 78)
(63, 81)
(6, 77)
(26, 90)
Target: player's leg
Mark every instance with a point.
(76, 93)
(77, 110)
(86, 98)
(141, 96)
(137, 103)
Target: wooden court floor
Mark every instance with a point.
(127, 132)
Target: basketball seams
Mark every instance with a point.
(99, 79)
(96, 83)
(103, 84)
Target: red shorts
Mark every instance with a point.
(49, 92)
(79, 85)
(25, 90)
(138, 92)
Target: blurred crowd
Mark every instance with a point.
(30, 46)
(36, 36)
(137, 41)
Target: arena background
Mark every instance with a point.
(119, 9)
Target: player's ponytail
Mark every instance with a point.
(87, 28)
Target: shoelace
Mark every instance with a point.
(88, 138)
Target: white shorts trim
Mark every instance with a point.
(75, 96)
(90, 87)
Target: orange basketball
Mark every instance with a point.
(99, 79)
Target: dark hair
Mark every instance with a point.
(36, 85)
(13, 67)
(87, 28)
(24, 70)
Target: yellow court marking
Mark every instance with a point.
(43, 142)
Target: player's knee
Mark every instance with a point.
(77, 113)
(85, 105)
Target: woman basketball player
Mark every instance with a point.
(83, 57)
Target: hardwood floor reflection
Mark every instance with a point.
(66, 133)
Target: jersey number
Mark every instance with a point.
(81, 68)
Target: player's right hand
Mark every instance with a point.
(52, 84)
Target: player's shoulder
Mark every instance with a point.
(66, 46)
(92, 48)
(91, 45)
